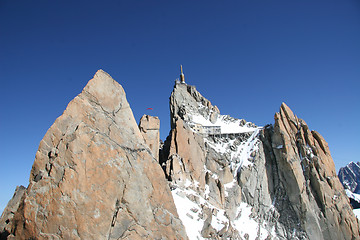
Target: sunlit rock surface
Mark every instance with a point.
(95, 178)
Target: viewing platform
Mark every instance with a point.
(215, 131)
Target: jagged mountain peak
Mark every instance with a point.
(95, 175)
(350, 177)
(188, 104)
(283, 174)
(186, 101)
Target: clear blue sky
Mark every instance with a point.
(245, 56)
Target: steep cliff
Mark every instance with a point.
(94, 177)
(307, 173)
(234, 179)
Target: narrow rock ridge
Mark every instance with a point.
(94, 177)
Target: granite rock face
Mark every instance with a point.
(306, 172)
(99, 175)
(203, 167)
(279, 181)
(95, 178)
(150, 129)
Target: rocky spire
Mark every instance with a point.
(94, 177)
(283, 174)
(150, 129)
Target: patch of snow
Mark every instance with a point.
(352, 195)
(219, 221)
(245, 224)
(227, 126)
(199, 119)
(357, 213)
(215, 176)
(230, 184)
(193, 225)
(187, 183)
(207, 191)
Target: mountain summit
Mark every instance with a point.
(99, 175)
(350, 178)
(243, 181)
(94, 177)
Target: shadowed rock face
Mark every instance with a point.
(94, 177)
(350, 177)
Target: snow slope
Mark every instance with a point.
(191, 214)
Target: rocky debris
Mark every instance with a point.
(350, 177)
(95, 178)
(7, 216)
(150, 129)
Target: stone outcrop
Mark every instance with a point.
(95, 178)
(150, 129)
(7, 216)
